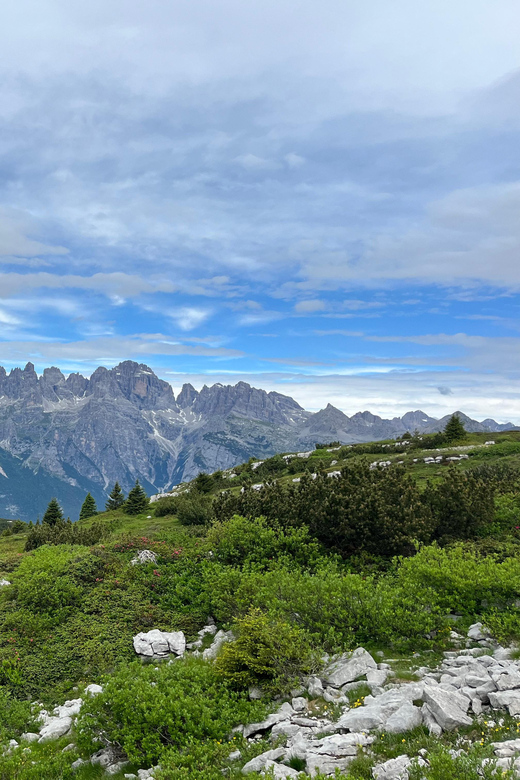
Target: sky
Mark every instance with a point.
(321, 199)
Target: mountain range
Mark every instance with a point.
(64, 436)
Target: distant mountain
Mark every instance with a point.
(65, 436)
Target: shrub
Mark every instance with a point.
(15, 716)
(240, 541)
(461, 579)
(145, 709)
(64, 533)
(194, 508)
(165, 506)
(52, 578)
(335, 608)
(268, 652)
(462, 504)
(376, 511)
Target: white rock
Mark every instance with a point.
(350, 667)
(144, 556)
(279, 772)
(157, 643)
(220, 638)
(258, 762)
(506, 699)
(55, 728)
(94, 689)
(430, 722)
(299, 704)
(476, 632)
(315, 687)
(448, 708)
(3, 583)
(394, 769)
(30, 736)
(406, 718)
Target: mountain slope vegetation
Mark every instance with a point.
(385, 544)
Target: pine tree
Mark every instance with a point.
(89, 508)
(53, 513)
(454, 429)
(137, 500)
(203, 482)
(116, 498)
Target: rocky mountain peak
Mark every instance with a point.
(136, 382)
(187, 396)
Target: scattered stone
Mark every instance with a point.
(448, 708)
(144, 556)
(220, 638)
(394, 769)
(348, 668)
(159, 644)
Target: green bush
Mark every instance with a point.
(378, 511)
(241, 541)
(461, 580)
(267, 652)
(64, 532)
(145, 709)
(53, 578)
(194, 508)
(165, 506)
(462, 504)
(335, 608)
(15, 716)
(468, 766)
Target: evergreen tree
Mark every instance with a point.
(137, 500)
(89, 508)
(53, 513)
(116, 498)
(454, 429)
(203, 482)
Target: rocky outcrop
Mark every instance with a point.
(159, 644)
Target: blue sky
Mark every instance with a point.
(317, 198)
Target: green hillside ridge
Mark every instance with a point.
(390, 558)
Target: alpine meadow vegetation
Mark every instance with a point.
(351, 554)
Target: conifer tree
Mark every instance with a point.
(454, 429)
(137, 500)
(53, 513)
(203, 482)
(116, 498)
(89, 508)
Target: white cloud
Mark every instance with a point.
(294, 160)
(116, 283)
(253, 163)
(308, 307)
(471, 236)
(16, 229)
(189, 317)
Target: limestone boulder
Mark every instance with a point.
(351, 667)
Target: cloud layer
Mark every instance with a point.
(322, 198)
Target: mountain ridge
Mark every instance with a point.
(125, 423)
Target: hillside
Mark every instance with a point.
(400, 547)
(67, 436)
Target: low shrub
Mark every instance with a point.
(146, 709)
(52, 578)
(241, 541)
(194, 508)
(268, 652)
